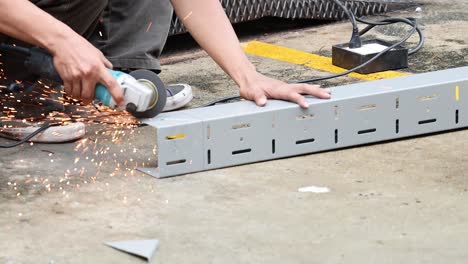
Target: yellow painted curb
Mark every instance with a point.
(317, 62)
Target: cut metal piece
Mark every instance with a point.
(241, 133)
(140, 248)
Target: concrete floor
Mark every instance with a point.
(399, 202)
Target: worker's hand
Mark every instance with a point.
(81, 66)
(259, 88)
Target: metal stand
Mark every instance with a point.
(239, 133)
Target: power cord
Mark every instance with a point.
(42, 128)
(378, 55)
(221, 100)
(409, 21)
(356, 42)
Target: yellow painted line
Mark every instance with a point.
(457, 93)
(314, 61)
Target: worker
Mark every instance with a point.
(87, 37)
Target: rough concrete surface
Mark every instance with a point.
(398, 202)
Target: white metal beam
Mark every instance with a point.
(240, 133)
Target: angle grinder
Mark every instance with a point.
(144, 92)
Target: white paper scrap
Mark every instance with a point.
(314, 189)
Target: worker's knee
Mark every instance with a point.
(51, 6)
(81, 15)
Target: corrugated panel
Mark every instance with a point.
(247, 10)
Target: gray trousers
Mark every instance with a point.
(130, 33)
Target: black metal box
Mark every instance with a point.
(347, 58)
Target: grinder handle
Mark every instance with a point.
(41, 63)
(102, 94)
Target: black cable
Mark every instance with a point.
(355, 41)
(221, 100)
(42, 128)
(364, 64)
(409, 21)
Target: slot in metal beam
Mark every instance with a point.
(240, 133)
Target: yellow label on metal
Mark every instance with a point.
(457, 93)
(310, 60)
(178, 136)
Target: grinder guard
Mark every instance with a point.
(144, 93)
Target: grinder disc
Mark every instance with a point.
(151, 80)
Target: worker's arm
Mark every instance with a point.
(209, 25)
(78, 62)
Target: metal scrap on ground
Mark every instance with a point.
(140, 248)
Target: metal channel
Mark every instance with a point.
(248, 10)
(240, 133)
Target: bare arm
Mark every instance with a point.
(209, 25)
(78, 62)
(31, 24)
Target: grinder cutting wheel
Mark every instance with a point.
(144, 93)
